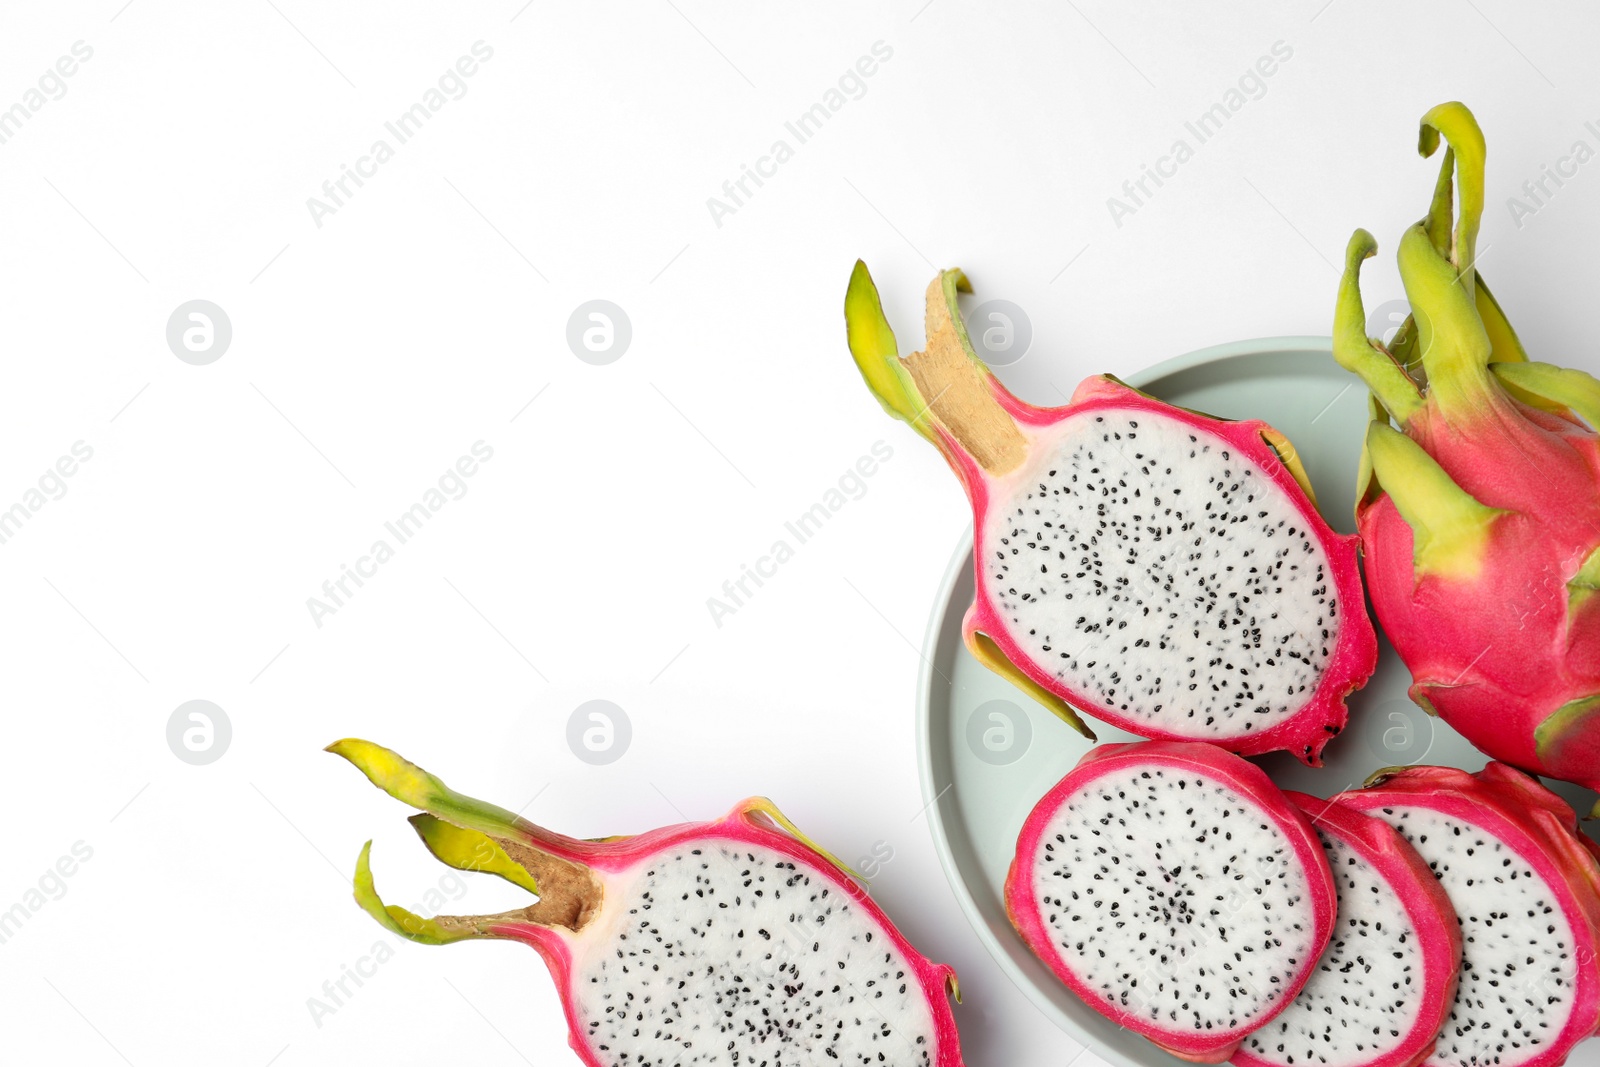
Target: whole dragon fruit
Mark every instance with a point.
(722, 943)
(1175, 890)
(1526, 887)
(1158, 569)
(1479, 500)
(1380, 992)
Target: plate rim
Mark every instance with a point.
(931, 794)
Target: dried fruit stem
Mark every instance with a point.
(469, 835)
(567, 892)
(943, 388)
(956, 385)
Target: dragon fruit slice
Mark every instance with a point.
(1479, 515)
(1158, 569)
(721, 943)
(1175, 890)
(1527, 892)
(1379, 993)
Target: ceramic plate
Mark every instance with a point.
(988, 752)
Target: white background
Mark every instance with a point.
(372, 351)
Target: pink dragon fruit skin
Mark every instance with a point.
(1196, 775)
(830, 961)
(1540, 829)
(1431, 926)
(1323, 715)
(1005, 451)
(1480, 514)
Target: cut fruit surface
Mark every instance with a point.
(1155, 568)
(1175, 890)
(1506, 850)
(1382, 987)
(731, 942)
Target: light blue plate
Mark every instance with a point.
(988, 752)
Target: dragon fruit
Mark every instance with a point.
(1526, 887)
(722, 943)
(1480, 514)
(1158, 569)
(1175, 890)
(1380, 992)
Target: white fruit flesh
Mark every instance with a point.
(1151, 569)
(1172, 896)
(721, 952)
(1362, 1000)
(1517, 967)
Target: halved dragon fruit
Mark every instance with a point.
(1526, 888)
(1480, 514)
(1175, 890)
(1158, 569)
(1380, 992)
(722, 943)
